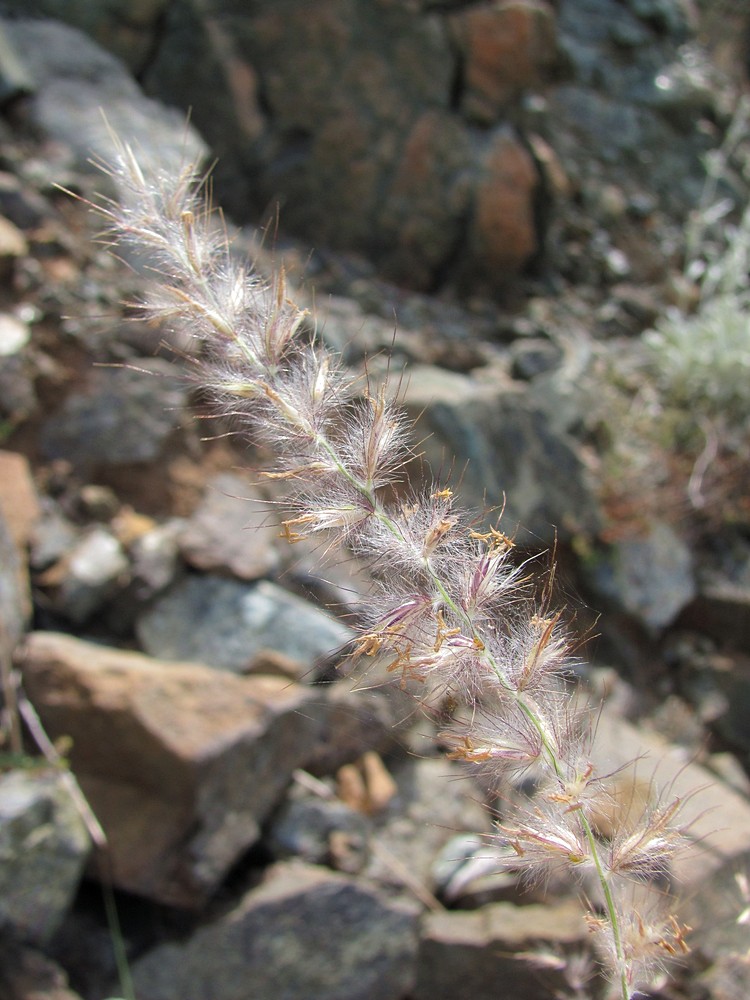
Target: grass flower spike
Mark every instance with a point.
(454, 615)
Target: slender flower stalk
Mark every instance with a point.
(454, 614)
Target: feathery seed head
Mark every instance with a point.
(452, 608)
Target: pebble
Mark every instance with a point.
(92, 571)
(14, 335)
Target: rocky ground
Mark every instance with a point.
(184, 736)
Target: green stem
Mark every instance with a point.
(614, 920)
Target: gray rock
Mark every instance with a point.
(718, 685)
(92, 571)
(716, 818)
(650, 576)
(180, 763)
(728, 978)
(43, 849)
(470, 871)
(379, 152)
(360, 718)
(54, 535)
(304, 932)
(505, 449)
(721, 611)
(232, 531)
(14, 589)
(17, 396)
(231, 622)
(154, 559)
(477, 955)
(122, 416)
(714, 909)
(74, 79)
(129, 29)
(320, 831)
(534, 357)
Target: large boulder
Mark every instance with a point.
(180, 763)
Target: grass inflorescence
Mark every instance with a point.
(455, 616)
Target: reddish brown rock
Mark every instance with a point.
(19, 510)
(503, 235)
(180, 763)
(508, 47)
(18, 498)
(428, 197)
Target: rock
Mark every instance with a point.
(155, 559)
(387, 148)
(437, 799)
(181, 763)
(514, 453)
(200, 51)
(304, 932)
(74, 79)
(19, 514)
(26, 974)
(502, 236)
(90, 574)
(717, 819)
(718, 685)
(714, 910)
(21, 205)
(123, 416)
(400, 187)
(12, 244)
(650, 576)
(506, 48)
(54, 535)
(471, 956)
(427, 199)
(17, 396)
(470, 871)
(15, 82)
(728, 978)
(320, 831)
(129, 28)
(231, 622)
(43, 851)
(534, 357)
(15, 598)
(232, 531)
(721, 610)
(18, 497)
(360, 718)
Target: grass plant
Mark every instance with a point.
(454, 614)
